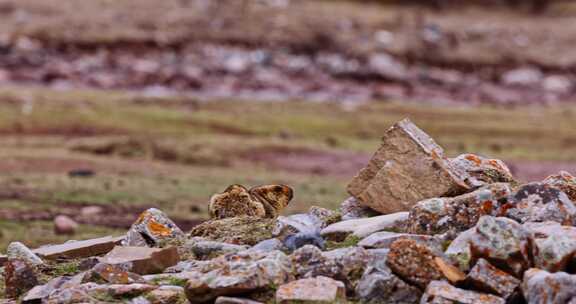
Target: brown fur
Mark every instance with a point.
(262, 201)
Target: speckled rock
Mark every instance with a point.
(236, 230)
(365, 226)
(414, 262)
(407, 168)
(111, 274)
(352, 209)
(231, 300)
(384, 239)
(167, 295)
(487, 278)
(564, 182)
(153, 228)
(542, 287)
(239, 274)
(326, 216)
(538, 202)
(554, 252)
(19, 251)
(312, 290)
(483, 171)
(142, 260)
(440, 215)
(442, 292)
(19, 277)
(379, 285)
(94, 293)
(203, 249)
(501, 241)
(296, 223)
(41, 292)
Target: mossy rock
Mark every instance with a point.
(236, 230)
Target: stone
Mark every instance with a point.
(79, 249)
(413, 262)
(41, 292)
(230, 300)
(237, 274)
(19, 277)
(203, 249)
(296, 223)
(89, 211)
(95, 293)
(325, 216)
(236, 230)
(352, 209)
(408, 167)
(564, 182)
(384, 239)
(111, 274)
(268, 245)
(265, 201)
(487, 278)
(298, 240)
(365, 226)
(542, 287)
(555, 252)
(503, 242)
(142, 260)
(442, 292)
(482, 171)
(542, 230)
(167, 295)
(64, 225)
(558, 84)
(19, 251)
(459, 253)
(379, 285)
(153, 228)
(312, 290)
(441, 215)
(522, 77)
(539, 202)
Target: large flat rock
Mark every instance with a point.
(142, 260)
(79, 249)
(407, 168)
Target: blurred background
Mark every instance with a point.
(108, 107)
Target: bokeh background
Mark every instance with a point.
(108, 107)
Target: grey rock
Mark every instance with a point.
(298, 240)
(352, 209)
(268, 245)
(384, 239)
(153, 228)
(379, 285)
(365, 226)
(482, 171)
(204, 249)
(64, 225)
(297, 223)
(564, 182)
(41, 292)
(522, 77)
(19, 251)
(539, 202)
(442, 292)
(555, 252)
(487, 278)
(542, 287)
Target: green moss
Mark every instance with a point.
(350, 241)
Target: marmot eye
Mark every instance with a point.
(278, 189)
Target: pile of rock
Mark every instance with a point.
(418, 228)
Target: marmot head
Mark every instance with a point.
(278, 196)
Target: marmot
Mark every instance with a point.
(261, 201)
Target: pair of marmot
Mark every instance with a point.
(262, 201)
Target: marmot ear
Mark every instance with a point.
(235, 187)
(275, 193)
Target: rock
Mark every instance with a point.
(459, 253)
(230, 300)
(541, 287)
(442, 292)
(379, 285)
(79, 249)
(414, 262)
(142, 260)
(94, 293)
(313, 290)
(564, 182)
(384, 239)
(352, 209)
(557, 84)
(487, 278)
(203, 249)
(501, 241)
(522, 77)
(89, 211)
(483, 171)
(387, 67)
(268, 245)
(239, 274)
(19, 251)
(262, 201)
(19, 277)
(298, 240)
(63, 224)
(296, 223)
(365, 226)
(41, 292)
(555, 252)
(325, 216)
(167, 295)
(538, 202)
(111, 274)
(542, 230)
(407, 168)
(440, 215)
(236, 230)
(153, 228)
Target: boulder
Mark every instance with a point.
(364, 226)
(442, 292)
(379, 285)
(236, 230)
(440, 215)
(19, 251)
(487, 278)
(539, 202)
(407, 168)
(312, 290)
(153, 228)
(482, 171)
(142, 260)
(542, 287)
(19, 277)
(352, 209)
(64, 225)
(564, 182)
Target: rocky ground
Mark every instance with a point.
(419, 227)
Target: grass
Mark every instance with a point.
(174, 152)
